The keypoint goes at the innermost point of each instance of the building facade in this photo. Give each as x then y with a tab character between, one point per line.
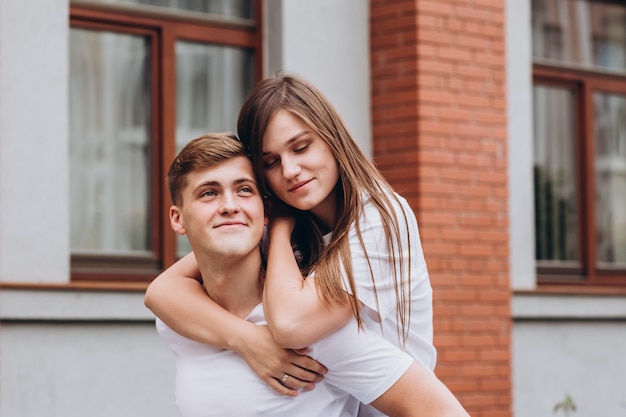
501	122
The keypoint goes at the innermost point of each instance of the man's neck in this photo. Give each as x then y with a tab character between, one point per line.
235	284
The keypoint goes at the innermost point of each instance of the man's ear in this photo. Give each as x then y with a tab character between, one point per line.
176	220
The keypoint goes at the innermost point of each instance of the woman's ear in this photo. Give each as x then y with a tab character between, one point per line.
176	220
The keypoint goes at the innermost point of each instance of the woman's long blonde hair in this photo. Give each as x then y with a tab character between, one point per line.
358	176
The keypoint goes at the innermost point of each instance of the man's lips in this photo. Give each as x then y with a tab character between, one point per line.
226	224
299	185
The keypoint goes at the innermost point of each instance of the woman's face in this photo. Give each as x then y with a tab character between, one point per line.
300	167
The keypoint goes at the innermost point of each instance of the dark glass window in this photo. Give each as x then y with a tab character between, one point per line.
141	86
579	99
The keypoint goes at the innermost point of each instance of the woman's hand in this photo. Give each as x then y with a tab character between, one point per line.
285	370
280	214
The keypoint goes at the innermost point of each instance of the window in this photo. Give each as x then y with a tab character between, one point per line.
579	101
145	78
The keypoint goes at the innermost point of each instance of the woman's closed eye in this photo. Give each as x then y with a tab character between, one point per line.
301	148
298	147
270	163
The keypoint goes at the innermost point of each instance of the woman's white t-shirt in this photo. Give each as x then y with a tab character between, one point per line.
380	304
379	313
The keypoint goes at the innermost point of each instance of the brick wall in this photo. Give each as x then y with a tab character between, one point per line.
439	135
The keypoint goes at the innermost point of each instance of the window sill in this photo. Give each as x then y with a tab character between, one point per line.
77	286
79	302
578	303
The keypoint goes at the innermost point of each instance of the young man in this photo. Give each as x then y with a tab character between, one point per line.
218	206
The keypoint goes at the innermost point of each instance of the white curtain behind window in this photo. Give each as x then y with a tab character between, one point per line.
610	167
211	84
228	8
109	146
580	32
556	197
110	136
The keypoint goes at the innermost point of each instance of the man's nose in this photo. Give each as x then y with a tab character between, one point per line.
229	203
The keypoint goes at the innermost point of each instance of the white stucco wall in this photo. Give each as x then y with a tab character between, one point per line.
568	344
34	160
85	369
520	144
75	353
584	360
327	42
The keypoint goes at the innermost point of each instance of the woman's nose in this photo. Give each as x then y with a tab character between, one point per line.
291	167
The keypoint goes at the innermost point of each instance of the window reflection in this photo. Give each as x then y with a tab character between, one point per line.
556	196
581	32
610	168
109	137
227	8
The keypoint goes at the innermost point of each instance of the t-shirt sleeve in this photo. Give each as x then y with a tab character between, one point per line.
378	263
360	362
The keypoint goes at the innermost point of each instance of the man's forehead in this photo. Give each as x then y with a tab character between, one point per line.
232	171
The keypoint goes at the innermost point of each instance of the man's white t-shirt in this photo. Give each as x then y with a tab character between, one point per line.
217	382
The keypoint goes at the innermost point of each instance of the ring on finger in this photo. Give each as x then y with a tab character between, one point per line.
283	379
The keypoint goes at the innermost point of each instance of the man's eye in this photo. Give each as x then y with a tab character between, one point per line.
208	194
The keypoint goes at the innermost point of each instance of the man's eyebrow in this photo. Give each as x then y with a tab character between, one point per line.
208	183
244	179
219	184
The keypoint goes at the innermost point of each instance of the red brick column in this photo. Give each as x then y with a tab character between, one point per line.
439	135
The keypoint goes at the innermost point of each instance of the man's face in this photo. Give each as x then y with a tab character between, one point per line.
222	210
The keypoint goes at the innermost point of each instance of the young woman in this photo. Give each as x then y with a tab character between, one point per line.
358	247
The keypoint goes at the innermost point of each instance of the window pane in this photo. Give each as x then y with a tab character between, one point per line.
212	83
610	168
588	33
556	196
227	8
109	142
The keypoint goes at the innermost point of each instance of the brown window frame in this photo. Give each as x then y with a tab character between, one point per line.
585	83
164	29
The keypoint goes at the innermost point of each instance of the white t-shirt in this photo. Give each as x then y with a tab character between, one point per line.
216	382
420	339
381	318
